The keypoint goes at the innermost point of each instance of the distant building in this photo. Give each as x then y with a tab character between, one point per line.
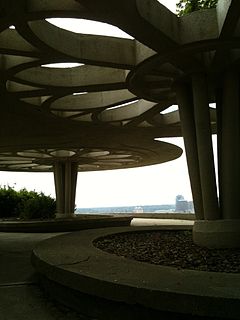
138	210
191	206
183	205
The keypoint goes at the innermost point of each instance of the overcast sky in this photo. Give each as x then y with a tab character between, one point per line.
170	4
158	184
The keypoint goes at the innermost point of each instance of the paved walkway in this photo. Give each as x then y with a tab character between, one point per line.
20	297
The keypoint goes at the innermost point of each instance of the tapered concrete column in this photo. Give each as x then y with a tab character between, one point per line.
230	155
65	177
185	103
204	145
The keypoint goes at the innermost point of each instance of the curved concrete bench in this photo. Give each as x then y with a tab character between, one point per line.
107	286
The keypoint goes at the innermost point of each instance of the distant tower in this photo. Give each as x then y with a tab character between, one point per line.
181	204
179	197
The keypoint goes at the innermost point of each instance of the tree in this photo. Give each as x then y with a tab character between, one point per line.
188	6
25	204
9	201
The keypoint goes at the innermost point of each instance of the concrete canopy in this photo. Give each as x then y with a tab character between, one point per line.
79	109
73	108
113	100
79	118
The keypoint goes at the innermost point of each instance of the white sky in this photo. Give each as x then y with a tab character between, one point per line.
158	184
170	4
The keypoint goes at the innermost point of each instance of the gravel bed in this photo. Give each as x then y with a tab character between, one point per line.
170	248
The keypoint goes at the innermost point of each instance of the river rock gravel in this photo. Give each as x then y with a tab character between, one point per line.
170	248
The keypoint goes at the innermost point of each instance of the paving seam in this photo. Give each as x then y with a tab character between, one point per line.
18	284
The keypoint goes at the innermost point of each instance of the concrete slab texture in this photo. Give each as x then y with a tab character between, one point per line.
20	296
93	281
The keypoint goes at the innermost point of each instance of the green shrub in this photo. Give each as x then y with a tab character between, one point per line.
26	204
9	201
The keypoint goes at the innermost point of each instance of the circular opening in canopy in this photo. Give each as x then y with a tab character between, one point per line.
170	109
62	65
88	27
62	153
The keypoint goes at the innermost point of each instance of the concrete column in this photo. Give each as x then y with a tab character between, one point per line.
65	177
204	145
230	155
185	103
224	232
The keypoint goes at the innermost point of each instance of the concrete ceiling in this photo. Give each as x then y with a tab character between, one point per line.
108	106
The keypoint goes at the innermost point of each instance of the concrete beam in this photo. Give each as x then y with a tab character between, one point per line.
228	14
102	50
198	31
126	112
160	18
13	44
53	5
92	100
129	16
74	77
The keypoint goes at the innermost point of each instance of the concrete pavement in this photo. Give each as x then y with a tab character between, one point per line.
20	297
106	286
